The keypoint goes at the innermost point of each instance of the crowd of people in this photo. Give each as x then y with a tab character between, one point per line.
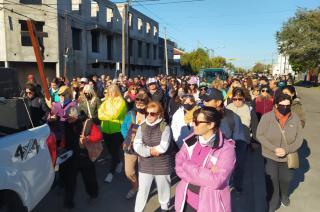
157	127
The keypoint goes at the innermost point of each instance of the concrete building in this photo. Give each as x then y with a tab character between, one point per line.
16	50
142	44
81	37
282	67
177	53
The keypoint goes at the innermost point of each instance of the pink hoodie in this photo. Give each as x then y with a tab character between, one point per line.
214	193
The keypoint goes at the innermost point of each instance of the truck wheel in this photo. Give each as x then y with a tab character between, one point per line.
13	203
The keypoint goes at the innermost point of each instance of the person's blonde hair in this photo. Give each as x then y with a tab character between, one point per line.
217	84
113	88
89	89
157	106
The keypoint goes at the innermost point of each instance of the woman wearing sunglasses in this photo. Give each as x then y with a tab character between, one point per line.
250	122
152	143
264	102
204	164
279	133
132	121
182	119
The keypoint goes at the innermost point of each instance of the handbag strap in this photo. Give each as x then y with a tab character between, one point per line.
84	127
282	133
90	116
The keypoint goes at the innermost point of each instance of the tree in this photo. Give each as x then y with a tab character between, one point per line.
299	38
218	62
195	60
258	68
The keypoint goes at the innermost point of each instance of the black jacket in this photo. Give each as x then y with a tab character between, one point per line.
38	110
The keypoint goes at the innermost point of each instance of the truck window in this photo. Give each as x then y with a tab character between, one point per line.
14	116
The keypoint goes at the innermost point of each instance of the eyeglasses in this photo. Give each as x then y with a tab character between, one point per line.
203	89
196	122
237	99
62	94
264	90
28	92
151	114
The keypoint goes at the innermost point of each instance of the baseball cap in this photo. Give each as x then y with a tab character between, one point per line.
192	81
213	94
151	80
83	79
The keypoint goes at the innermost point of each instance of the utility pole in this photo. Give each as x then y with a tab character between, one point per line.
66	49
166	50
124	17
128	37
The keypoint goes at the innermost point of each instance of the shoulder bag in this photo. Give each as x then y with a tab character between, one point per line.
293	158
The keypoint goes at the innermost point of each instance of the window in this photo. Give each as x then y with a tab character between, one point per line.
130	20
140	24
31	1
154	52
76	38
94	9
109	47
155	31
95	41
95	65
25	39
148	50
109	14
139	49
75	5
148	28
161	52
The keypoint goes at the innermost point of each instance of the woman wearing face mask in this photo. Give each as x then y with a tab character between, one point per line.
130	96
54	89
132	121
90	102
296	106
152	144
204	164
79	162
111	113
275	148
182	119
58	113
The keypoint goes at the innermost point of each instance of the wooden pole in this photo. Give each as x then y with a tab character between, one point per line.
36	48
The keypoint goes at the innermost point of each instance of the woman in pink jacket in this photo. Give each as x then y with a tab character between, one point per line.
204	164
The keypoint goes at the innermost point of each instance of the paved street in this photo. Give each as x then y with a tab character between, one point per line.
305	186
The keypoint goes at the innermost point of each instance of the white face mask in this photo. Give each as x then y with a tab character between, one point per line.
208	142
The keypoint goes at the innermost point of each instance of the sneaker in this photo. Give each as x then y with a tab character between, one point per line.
108	178
285	202
119	167
131	194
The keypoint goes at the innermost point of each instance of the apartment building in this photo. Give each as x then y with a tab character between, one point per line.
80	37
16	50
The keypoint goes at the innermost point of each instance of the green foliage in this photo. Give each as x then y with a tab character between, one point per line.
299	38
199	58
258	68
218	62
195	60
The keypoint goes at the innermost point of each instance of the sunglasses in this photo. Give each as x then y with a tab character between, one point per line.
237	99
28	92
264	90
140	100
62	94
196	122
151	114
203	89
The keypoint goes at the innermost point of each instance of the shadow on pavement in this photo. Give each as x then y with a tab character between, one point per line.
304	167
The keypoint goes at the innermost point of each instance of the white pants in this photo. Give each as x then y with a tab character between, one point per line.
163	186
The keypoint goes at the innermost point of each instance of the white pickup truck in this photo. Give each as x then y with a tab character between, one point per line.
26	169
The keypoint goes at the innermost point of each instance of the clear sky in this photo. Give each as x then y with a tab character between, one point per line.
241	29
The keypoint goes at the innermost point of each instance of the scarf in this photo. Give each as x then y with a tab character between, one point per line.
281	118
209	142
188	115
154	123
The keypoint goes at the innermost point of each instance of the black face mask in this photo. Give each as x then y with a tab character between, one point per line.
140	110
284	110
188	107
88	96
